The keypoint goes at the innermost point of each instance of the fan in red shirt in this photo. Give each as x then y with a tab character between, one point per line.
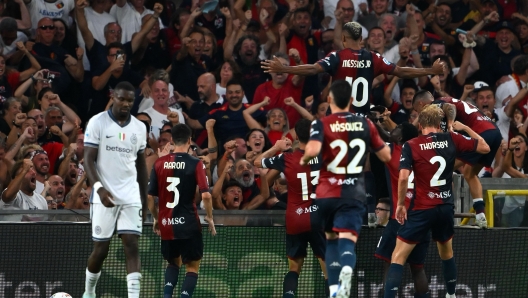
476	120
343	139
431	157
280	87
303	224
356	65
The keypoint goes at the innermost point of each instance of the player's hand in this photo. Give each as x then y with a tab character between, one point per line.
156	228
210	221
283	144
20	118
272	66
106	197
209	124
401	214
458	126
166	150
56	130
438	67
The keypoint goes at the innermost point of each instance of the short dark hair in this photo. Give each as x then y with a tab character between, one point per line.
384	201
114	45
421	95
378	28
181	134
125	86
408	131
144	114
302	129
231	183
408	83
8	24
233	82
341	92
353	29
302	10
521	65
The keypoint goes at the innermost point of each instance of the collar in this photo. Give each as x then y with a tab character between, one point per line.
220	100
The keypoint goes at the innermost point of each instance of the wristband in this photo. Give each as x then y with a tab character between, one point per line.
97	185
469	45
15	125
415	52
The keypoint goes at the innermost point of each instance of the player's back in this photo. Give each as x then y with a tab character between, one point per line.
358	68
468	115
177	177
432	157
346	139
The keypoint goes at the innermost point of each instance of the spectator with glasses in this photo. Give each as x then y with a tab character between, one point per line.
382	212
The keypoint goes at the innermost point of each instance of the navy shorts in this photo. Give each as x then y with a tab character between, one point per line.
494	138
189	249
341	215
439	220
387	243
296	244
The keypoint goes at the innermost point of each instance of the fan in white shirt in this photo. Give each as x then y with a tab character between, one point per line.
517	80
39	9
129	15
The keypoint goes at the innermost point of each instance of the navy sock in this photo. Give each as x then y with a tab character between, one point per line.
171	279
394	277
189	284
347	253
426	295
333	265
478	206
327	289
289	287
450	275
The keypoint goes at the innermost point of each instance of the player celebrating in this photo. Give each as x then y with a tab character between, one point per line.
173	180
473	118
356	65
115	164
302	220
431	158
343	139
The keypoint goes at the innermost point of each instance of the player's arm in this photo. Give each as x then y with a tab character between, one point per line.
152	193
207	199
450	113
411	72
9	194
142	179
482	146
314	145
271	176
403	182
275	66
377	144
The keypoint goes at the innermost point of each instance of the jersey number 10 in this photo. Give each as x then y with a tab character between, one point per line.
364	96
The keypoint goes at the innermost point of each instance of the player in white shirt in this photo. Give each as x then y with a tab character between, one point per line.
114	163
20	193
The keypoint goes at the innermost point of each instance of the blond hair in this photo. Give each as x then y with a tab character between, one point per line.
431	116
22	152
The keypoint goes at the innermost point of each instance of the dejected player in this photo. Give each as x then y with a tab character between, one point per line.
356	65
173	180
431	157
343	139
476	120
303	224
401	134
115	164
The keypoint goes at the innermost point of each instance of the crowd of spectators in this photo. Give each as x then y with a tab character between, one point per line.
198	62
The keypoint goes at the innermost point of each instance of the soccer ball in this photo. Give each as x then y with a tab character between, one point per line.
61	295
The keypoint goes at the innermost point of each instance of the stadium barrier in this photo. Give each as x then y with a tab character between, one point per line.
39	259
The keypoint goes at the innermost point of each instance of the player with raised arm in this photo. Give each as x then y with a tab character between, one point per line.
431	158
356	65
476	120
115	164
398	136
173	180
303	224
343	139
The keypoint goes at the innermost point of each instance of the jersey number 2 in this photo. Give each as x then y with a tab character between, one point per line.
352	167
435	180
304	183
173	186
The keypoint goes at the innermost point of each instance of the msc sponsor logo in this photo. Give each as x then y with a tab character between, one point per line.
173	221
439	195
434	145
348	181
310	209
118	149
356	63
347	126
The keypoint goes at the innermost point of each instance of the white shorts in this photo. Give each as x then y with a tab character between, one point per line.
126	218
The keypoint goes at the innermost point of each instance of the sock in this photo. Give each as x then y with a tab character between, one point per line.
171	279
333	267
450	275
289	287
133	284
91	281
478	205
394	277
189	284
327	289
346	251
426	295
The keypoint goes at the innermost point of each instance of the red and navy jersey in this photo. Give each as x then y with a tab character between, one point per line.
302	181
393	166
173	180
359	68
346	139
432	158
466	114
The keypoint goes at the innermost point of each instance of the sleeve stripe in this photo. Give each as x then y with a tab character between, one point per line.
94	145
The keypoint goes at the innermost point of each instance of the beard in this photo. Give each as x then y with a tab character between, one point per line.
246	183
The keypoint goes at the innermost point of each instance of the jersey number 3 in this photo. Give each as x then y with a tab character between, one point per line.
173	186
